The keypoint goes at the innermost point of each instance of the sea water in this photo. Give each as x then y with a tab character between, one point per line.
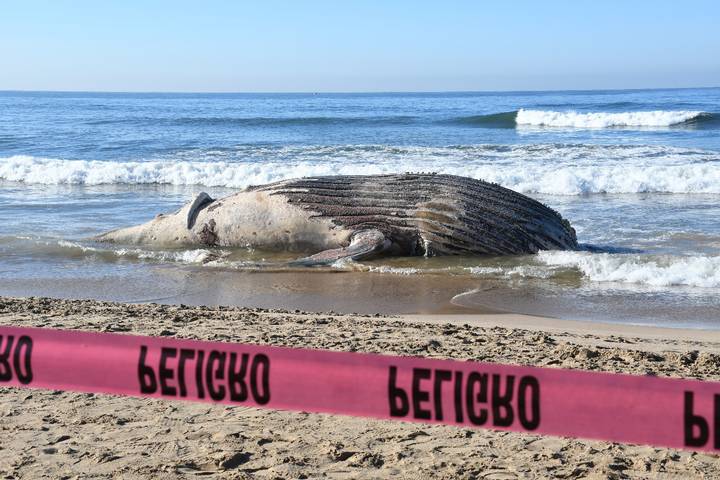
637	173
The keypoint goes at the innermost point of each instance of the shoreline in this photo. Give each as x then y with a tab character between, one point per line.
66	433
367	293
575	328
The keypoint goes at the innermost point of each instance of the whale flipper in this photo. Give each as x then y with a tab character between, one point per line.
364	244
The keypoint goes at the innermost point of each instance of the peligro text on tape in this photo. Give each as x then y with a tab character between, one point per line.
616	407
496	391
234	376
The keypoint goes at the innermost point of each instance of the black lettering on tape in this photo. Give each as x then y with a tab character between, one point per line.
397	394
22	360
440	376
236	378
716	426
480	379
199	374
164	373
458	397
529	387
216	375
185	355
6	373
20	367
260	362
215	372
693	422
502	410
418	395
146	375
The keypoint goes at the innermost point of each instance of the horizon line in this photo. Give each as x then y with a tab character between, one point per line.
347	92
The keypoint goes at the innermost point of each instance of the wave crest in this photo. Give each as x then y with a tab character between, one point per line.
572	119
493	120
657	118
543	169
654	270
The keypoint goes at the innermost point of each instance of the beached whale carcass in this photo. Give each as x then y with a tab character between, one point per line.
362	216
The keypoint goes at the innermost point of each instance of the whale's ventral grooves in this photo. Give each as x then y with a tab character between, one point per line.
432	214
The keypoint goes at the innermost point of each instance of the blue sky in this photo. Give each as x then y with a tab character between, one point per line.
357	45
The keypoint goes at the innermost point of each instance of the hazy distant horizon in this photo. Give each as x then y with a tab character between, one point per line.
359	92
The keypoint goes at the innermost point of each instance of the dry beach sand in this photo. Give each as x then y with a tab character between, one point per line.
46	434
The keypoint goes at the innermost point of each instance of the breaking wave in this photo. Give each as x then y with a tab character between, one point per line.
556	169
657	118
701	271
653	270
572	119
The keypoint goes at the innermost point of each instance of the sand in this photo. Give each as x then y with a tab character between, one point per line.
46	434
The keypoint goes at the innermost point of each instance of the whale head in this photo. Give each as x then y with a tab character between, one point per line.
165	229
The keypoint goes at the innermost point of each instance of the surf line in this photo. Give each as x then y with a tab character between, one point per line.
666	412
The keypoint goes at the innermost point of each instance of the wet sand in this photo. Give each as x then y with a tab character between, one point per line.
57	434
313	291
320	290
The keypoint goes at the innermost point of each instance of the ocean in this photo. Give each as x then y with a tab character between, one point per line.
636	172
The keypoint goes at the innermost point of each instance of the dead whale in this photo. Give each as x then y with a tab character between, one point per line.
362	216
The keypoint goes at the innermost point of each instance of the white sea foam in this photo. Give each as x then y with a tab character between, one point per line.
348	264
397	270
657	118
522	271
193	256
486	271
654	270
546	169
73	246
641	269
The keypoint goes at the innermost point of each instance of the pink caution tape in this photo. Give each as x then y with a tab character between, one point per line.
625	408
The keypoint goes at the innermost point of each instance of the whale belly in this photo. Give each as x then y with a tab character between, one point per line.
261	220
